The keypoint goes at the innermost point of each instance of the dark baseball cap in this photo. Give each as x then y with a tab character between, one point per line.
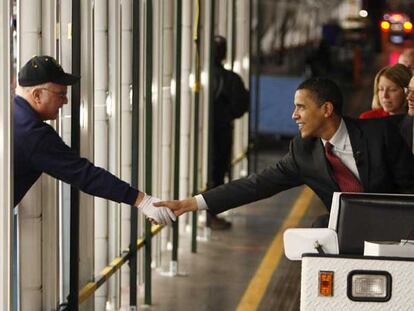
43	69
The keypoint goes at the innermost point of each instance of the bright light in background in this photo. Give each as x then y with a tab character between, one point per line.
385	26
246	63
203	78
83	115
173	87
154	91
393	57
108	102
130	96
363	13
407	26
227	65
191	80
236	66
396	18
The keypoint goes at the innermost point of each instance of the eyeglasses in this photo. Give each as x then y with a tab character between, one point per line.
408	90
58	94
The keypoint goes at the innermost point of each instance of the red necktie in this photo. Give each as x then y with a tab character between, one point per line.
345	179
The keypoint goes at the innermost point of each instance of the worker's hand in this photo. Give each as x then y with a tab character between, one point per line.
158	215
180	207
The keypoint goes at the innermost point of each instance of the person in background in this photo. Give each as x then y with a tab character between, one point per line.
38	148
389	97
407	59
230	101
332	153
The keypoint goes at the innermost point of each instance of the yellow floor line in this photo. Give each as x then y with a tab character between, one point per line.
257	287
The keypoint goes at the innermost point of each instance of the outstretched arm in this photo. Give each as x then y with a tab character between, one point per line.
179	207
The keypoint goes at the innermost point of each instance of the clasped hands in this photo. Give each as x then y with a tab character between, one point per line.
165	212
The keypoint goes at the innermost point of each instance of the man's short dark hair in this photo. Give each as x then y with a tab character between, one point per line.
324	90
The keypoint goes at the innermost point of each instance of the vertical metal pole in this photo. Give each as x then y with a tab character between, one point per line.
6	164
101	142
233	33
250	138
29	214
257	89
135	135
196	122
210	136
178	37
148	147
75	144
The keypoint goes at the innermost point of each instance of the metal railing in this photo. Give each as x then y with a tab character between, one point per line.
114	266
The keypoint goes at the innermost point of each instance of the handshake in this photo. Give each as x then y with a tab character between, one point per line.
165	212
159	215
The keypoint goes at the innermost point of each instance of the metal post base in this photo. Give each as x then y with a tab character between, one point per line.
173	270
206	235
145	306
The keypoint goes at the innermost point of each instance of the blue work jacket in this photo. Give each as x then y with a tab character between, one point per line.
38	148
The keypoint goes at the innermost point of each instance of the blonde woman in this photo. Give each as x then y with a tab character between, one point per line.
389	97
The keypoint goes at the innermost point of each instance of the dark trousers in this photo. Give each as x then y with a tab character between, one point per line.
221	158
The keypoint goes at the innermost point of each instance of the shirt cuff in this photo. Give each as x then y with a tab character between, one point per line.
201	203
130	196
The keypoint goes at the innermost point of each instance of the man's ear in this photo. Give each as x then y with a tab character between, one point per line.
35	94
329	108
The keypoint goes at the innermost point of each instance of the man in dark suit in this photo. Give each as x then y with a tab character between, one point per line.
407	123
370	152
406	128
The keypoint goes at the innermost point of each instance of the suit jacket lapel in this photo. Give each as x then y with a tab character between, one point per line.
360	150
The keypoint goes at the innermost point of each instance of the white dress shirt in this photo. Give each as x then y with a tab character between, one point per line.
341	148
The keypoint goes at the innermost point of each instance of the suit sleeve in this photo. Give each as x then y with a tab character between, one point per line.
272	180
55	158
400	158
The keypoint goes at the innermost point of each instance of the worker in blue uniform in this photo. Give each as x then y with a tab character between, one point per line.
38	148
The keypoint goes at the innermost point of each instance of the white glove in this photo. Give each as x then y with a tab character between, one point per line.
161	215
